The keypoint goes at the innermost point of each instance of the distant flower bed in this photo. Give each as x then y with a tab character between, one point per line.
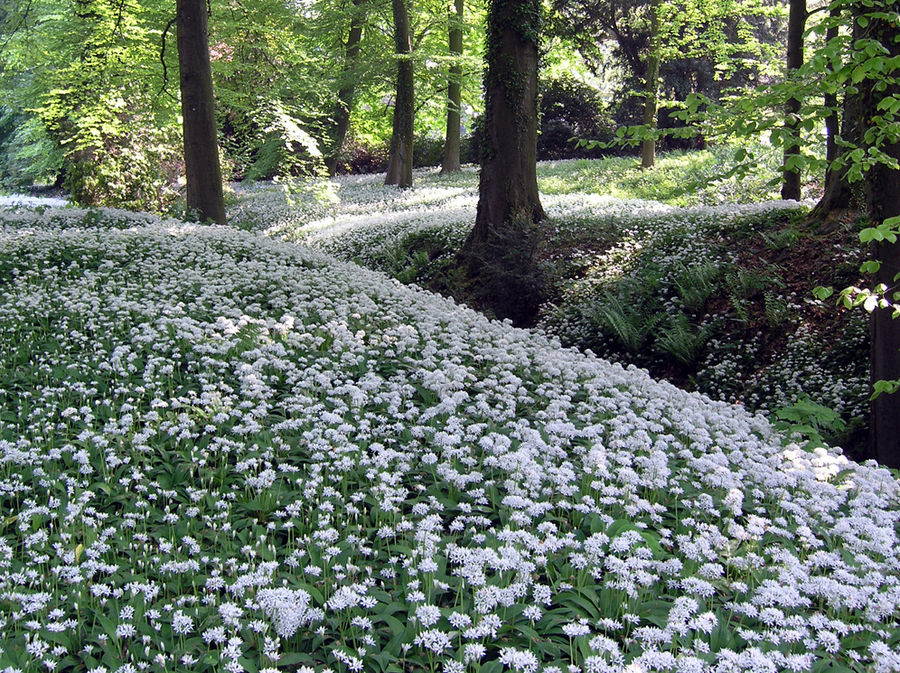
7	201
220	451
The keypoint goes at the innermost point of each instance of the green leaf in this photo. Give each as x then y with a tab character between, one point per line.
889	387
294	658
581	605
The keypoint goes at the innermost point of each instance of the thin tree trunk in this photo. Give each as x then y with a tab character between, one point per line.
451	161
883	200
201	152
348	86
790	187
400	163
839	195
651	103
499	253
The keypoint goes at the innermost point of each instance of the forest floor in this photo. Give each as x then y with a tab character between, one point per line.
706	282
224	451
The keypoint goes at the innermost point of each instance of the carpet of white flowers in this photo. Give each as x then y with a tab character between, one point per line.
223	452
356	218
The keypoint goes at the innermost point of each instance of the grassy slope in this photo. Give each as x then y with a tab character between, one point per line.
221	451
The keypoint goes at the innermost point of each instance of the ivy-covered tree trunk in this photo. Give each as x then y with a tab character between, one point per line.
451	161
499	254
345	95
400	164
883	199
790	187
651	101
832	121
201	151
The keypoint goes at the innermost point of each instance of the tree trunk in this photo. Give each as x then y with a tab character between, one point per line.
348	87
648	145
499	253
832	121
884	426
883	200
790	187
451	162
839	194
400	163
201	151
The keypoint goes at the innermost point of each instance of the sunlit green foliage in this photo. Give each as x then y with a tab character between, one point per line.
84	74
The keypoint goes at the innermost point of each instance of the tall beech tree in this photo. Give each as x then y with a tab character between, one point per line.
344	103
790	187
865	172
201	151
845	120
499	253
450	160
879	92
400	164
832	119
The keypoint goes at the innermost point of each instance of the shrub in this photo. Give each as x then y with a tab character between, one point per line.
428	150
125	171
359	158
570	109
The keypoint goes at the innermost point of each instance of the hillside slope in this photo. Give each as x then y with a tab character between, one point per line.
224	451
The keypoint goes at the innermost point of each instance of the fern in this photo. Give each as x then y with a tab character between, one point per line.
696	284
681	341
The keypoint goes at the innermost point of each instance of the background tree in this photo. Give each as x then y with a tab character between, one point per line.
400	164
451	161
344	102
651	88
201	151
843	111
499	254
790	188
706	47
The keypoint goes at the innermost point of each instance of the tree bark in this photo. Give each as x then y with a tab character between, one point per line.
790	187
883	201
400	164
499	254
201	151
451	161
832	121
839	194
348	86
651	104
